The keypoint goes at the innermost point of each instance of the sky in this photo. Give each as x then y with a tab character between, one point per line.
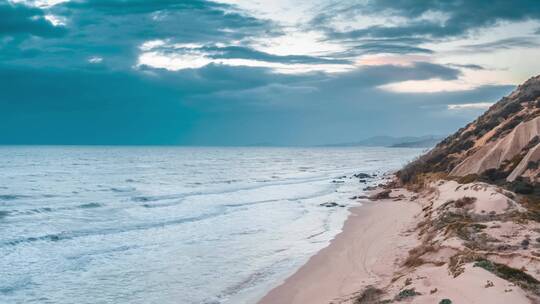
250	72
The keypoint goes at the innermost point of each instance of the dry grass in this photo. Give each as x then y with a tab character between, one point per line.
415	255
464	201
370	295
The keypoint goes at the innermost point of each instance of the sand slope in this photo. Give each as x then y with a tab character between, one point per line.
493	154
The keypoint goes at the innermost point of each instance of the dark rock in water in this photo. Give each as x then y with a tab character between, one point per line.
90	205
362	181
358	197
342	206
362	175
337	181
329	204
369	188
381	195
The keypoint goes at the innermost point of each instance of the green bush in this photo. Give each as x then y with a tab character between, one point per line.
513	275
406	293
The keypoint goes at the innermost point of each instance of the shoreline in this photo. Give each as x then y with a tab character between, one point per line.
444	243
366	252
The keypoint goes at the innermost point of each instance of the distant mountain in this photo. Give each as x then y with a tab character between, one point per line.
397	142
427	142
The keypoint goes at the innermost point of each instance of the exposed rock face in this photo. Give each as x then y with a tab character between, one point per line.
495	153
503	139
528	167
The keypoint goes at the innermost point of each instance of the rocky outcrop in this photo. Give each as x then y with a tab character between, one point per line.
528	167
495	153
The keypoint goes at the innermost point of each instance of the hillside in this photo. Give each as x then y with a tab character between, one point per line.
502	146
477	237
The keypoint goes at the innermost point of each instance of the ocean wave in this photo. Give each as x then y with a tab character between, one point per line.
11	197
68	235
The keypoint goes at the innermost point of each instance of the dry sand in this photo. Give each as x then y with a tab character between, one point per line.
374	237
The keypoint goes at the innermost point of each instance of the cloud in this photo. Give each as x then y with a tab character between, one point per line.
19	19
115	29
427	20
382	47
467	106
190	56
201	72
211	105
507	43
475	67
95	59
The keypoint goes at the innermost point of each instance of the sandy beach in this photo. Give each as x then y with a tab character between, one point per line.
405	248
367	252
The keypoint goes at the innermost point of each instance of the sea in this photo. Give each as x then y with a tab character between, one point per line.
172	224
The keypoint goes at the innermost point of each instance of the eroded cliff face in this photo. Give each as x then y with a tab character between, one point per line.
501	145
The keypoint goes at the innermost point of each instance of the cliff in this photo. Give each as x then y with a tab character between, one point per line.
502	146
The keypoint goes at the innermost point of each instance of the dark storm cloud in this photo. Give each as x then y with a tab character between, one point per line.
475	67
190	106
51	94
508	43
458	18
249	53
19	19
115	29
63	106
382	47
347	106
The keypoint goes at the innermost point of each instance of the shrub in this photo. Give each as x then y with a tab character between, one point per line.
467	179
445	301
369	295
406	293
493	175
464	201
513	275
522	187
532	165
414	259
